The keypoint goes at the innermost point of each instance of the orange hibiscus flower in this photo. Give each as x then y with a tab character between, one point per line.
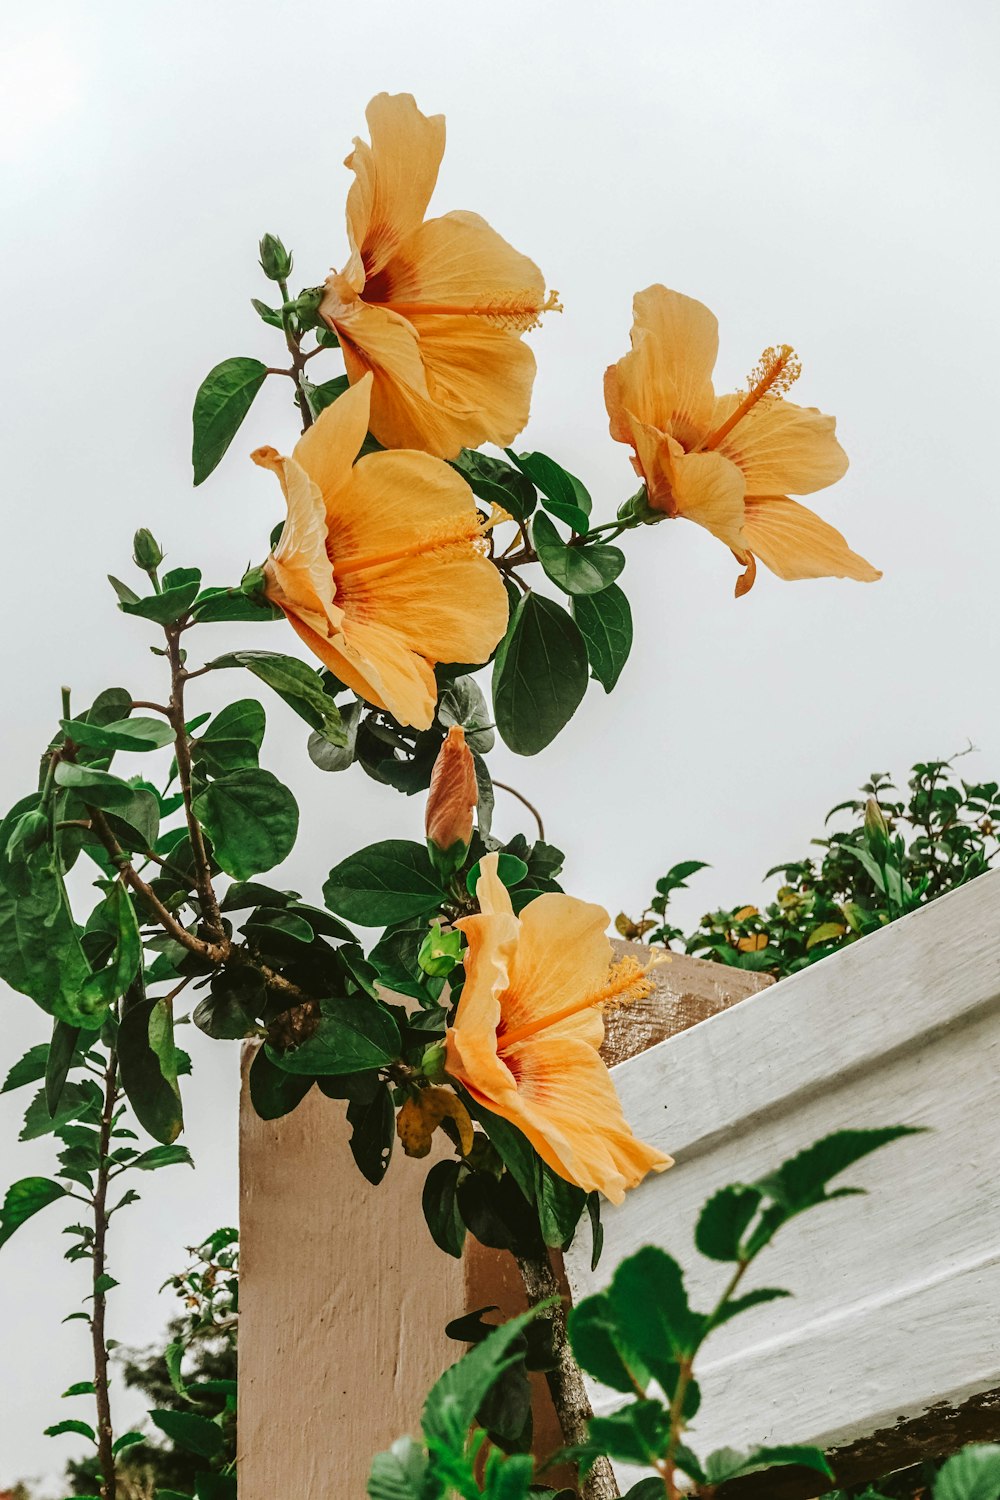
727	461
434	308
380	567
528	1028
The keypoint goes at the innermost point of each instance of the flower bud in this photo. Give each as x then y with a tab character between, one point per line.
451	802
306	307
876	829
252	583
432	1062
30	832
275	260
440	951
637	511
147	553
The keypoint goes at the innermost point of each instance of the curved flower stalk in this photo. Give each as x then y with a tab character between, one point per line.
727	462
380	568
528	1027
434	308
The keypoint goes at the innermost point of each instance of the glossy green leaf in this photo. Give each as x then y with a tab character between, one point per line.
440	1206
252	820
636	1434
148	1061
215	606
223	400
972	1474
190	1431
562	493
510	871
180	589
72	1424
138	733
352	1036
385	883
575	569
540	675
322	396
300	687
162	1156
605	622
726	1463
232	740
25	1198
497	483
273	1091
724	1220
109	983
40	952
63	1050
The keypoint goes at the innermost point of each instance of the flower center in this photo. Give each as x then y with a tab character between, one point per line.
460	533
628	982
517	311
775	371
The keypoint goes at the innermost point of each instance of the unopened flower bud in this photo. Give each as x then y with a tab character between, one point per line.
432	1062
306	306
147	553
451	802
637	511
440	951
275	260
876	828
30	832
252	583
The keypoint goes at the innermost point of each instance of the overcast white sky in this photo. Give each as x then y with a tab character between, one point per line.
822	174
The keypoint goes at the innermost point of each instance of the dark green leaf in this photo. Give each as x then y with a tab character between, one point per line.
219	605
232	740
228	1012
63	1049
454	1399
652	1314
148	1060
322	396
117	917
577	570
383	884
726	1463
330	757
78	1101
495	482
80	1388
646	1489
592	1333
180	589
605	622
540	675
127	1440
638	1433
510	870
215	1487
25	1198
28	1069
560	1205
72	1424
300	687
973	1474
440	1206
40	952
190	1431
353	1036
737	1305
223	400
126	734
563	494
163	1156
373	1123
724	1220
252	820
273	1091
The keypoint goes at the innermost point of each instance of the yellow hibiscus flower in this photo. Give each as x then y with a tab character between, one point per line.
434	308
727	462
380	568
528	1028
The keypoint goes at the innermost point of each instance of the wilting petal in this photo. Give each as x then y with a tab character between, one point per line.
298	574
395	177
459	264
794	543
782	447
666	381
329	447
562	955
565	1103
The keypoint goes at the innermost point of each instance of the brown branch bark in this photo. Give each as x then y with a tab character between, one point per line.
105	1432
565	1381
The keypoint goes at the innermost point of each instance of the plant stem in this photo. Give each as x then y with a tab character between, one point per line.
293	340
565	1381
529	805
105	1432
182	750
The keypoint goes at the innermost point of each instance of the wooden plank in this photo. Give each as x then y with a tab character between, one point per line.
895	1294
343	1294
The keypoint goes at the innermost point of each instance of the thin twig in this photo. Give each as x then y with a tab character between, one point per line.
182	752
529	805
105	1432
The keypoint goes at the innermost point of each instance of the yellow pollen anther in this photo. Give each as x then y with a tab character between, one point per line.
627	984
776	371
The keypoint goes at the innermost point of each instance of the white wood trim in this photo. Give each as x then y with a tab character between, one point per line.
895	1294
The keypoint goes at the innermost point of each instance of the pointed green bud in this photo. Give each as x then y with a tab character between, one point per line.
440	951
432	1062
147	553
876	829
275	260
637	511
306	307
252	583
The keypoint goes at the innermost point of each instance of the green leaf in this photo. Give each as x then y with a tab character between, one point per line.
190	1431
373	1123
82	1429
353	1036
646	1489
252	820
510	871
223	400
78	1102
163	1156
605	622
215	606
133	805
274	1092
973	1474
563	494
652	1313
116	916
232	740
80	1388
724	1220
737	1305
726	1463
180	589
124	734
63	1050
215	1487
40	952
236	996
148	1060
28	1069
577	570
560	1205
540	675
127	1440
592	1333
801	1182
322	396
25	1198
638	1433
440	1206
300	687
495	482
400	1473
383	884
454	1399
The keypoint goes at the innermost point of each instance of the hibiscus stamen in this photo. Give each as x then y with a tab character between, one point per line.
628	982
460	534
517	311
775	371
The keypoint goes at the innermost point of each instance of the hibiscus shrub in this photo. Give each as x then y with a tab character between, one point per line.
899	852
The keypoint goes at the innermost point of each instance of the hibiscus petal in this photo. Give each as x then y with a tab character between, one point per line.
298	572
794	542
782	447
709	489
459	263
377	665
666	380
395	177
563	954
479	378
328	448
